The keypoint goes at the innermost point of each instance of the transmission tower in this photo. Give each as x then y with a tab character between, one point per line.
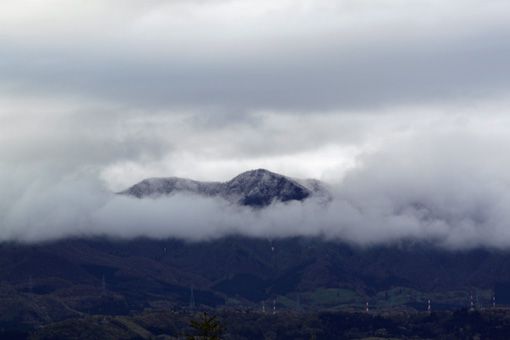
192	299
103	286
30	284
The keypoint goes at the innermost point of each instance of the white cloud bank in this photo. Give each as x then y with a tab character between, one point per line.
448	185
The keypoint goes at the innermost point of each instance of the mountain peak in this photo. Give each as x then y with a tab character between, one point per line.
260	187
257	175
255	188
259	171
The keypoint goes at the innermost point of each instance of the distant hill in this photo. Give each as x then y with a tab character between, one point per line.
69	278
255	188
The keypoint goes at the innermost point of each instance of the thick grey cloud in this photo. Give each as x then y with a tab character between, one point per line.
400	105
243	56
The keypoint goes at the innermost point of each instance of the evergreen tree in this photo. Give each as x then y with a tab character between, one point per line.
207	328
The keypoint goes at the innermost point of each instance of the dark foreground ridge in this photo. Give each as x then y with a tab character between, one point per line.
74	283
255	188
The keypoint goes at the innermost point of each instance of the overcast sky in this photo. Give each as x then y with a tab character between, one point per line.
382	98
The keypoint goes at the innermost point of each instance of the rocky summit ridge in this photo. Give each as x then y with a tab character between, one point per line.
255	188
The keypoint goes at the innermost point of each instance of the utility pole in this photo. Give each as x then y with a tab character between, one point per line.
103	286
30	284
192	299
273	255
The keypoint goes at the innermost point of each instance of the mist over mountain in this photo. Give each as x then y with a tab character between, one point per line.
453	193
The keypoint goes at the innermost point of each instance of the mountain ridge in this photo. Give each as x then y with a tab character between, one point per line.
254	188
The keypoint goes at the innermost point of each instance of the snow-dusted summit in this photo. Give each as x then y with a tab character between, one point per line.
256	188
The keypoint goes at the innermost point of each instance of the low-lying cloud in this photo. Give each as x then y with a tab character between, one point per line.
447	188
